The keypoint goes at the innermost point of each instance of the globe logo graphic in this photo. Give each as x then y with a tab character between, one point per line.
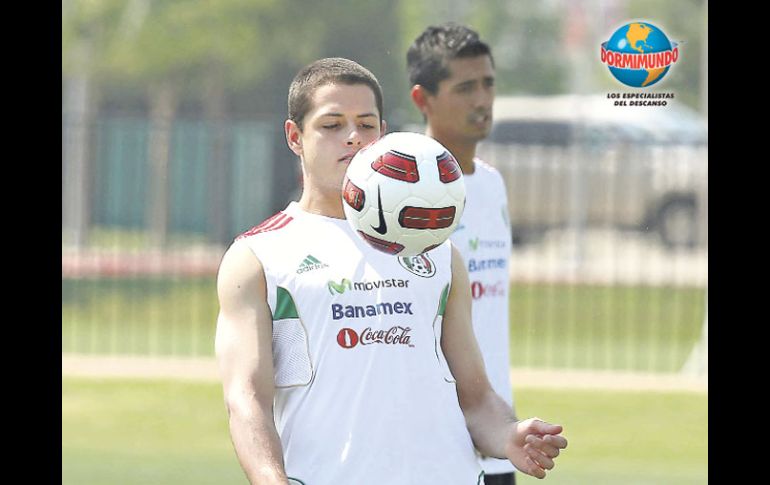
639	54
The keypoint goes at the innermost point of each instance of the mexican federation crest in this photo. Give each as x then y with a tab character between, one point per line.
420	265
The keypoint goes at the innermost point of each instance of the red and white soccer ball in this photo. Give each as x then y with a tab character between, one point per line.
404	194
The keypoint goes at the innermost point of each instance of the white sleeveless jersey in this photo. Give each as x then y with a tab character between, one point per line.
483	237
363	392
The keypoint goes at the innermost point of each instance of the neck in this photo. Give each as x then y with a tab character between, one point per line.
315	202
464	152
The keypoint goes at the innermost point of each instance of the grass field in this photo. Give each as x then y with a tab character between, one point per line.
559	326
132	432
142	316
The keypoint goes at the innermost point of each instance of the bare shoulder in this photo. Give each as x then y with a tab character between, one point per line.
240	274
244	320
244	332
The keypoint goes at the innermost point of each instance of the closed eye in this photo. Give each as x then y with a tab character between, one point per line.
465	88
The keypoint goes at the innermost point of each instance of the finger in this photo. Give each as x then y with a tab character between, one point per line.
541	427
543	446
534	469
556	440
539	458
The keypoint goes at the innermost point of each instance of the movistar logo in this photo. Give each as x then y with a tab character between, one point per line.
339	288
309	264
486	244
345	285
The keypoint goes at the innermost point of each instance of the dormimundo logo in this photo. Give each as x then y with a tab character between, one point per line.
639	54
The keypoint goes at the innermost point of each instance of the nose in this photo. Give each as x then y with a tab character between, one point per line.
484	99
354	138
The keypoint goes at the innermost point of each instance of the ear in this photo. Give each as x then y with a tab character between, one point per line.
419	97
293	137
383	128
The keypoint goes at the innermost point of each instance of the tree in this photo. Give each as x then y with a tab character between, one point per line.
526	39
180	48
84	29
233	58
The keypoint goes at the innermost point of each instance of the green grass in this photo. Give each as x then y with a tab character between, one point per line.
558	326
131	432
147	316
624	437
145	432
634	328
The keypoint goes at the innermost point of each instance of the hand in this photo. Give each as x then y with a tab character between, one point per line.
533	446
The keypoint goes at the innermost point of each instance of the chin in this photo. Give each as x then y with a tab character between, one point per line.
477	136
478	133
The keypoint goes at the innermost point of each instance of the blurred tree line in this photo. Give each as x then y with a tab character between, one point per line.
215	58
221	60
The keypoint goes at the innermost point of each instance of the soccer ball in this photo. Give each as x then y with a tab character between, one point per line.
404	194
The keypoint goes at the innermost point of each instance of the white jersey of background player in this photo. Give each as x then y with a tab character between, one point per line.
484	240
452	76
335	108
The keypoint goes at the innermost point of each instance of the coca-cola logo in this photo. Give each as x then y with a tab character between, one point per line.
348	338
487	290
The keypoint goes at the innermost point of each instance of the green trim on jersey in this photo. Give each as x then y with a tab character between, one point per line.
293	481
443	300
481	477
284	305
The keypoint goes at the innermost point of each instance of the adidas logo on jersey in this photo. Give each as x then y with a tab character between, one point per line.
309	264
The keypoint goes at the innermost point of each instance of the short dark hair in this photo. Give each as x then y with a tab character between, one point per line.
428	57
331	70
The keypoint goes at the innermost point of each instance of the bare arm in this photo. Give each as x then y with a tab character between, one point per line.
530	445
244	354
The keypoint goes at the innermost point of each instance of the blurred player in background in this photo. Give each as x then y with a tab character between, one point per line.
452	74
308	401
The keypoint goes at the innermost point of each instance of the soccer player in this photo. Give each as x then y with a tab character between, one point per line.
328	381
452	75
